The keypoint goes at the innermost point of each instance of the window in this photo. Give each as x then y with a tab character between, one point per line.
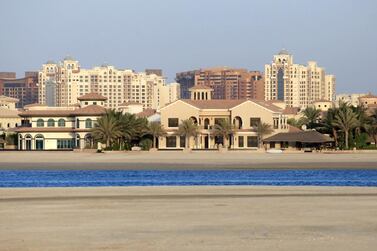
173	122
86	103
182	141
240	141
61	123
254	122
77	123
50	123
171	141
276	123
88	123
40	123
65	144
252	141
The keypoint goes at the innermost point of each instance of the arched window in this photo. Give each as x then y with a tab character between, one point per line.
206	123
40	123
194	120
237	122
61	123
88	123
50	123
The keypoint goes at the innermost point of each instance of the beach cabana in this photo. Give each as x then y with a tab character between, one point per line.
298	140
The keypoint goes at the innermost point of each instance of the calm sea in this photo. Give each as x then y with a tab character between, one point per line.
92	178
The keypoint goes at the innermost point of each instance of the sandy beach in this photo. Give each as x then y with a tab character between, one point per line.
181	160
188	218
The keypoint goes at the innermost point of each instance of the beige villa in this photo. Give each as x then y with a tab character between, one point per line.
245	115
60	128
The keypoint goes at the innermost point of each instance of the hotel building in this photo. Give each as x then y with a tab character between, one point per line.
244	114
25	89
60	84
297	85
227	83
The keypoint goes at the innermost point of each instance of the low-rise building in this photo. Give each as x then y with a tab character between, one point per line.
8	113
369	101
60	128
323	105
245	115
352	99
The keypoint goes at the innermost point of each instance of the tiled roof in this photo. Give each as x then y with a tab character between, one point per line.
200	87
293	129
126	103
214	103
299	136
291	110
92	96
146	113
91	110
228	104
49	129
34	105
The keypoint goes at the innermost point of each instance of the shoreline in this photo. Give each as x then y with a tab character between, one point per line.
183	161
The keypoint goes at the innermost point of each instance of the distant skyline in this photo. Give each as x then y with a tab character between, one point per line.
181	35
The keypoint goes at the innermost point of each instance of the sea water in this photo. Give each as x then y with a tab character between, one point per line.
92	178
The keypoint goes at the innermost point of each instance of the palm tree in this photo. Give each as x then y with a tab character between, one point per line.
107	129
223	129
372	132
327	126
156	130
188	129
262	130
346	120
311	116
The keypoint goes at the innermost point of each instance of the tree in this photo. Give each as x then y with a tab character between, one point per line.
262	130
156	130
223	129
327	125
311	116
188	129
345	119
372	132
107	129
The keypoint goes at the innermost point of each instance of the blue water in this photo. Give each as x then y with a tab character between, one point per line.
92	178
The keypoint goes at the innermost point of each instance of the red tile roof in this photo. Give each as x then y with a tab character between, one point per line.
146	113
91	110
92	96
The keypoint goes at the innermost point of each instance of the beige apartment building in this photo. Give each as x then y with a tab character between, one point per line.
60	84
297	85
244	114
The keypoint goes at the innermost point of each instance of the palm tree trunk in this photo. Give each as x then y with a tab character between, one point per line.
346	138
335	136
187	142
154	141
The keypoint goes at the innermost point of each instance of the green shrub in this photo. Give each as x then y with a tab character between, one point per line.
146	144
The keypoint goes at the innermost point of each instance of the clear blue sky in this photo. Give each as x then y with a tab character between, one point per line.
179	35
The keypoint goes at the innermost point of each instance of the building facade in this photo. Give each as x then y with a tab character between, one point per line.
352	99
60	84
60	128
8	113
25	89
227	83
245	115
297	85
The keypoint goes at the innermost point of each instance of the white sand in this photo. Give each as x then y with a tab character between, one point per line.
188	218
